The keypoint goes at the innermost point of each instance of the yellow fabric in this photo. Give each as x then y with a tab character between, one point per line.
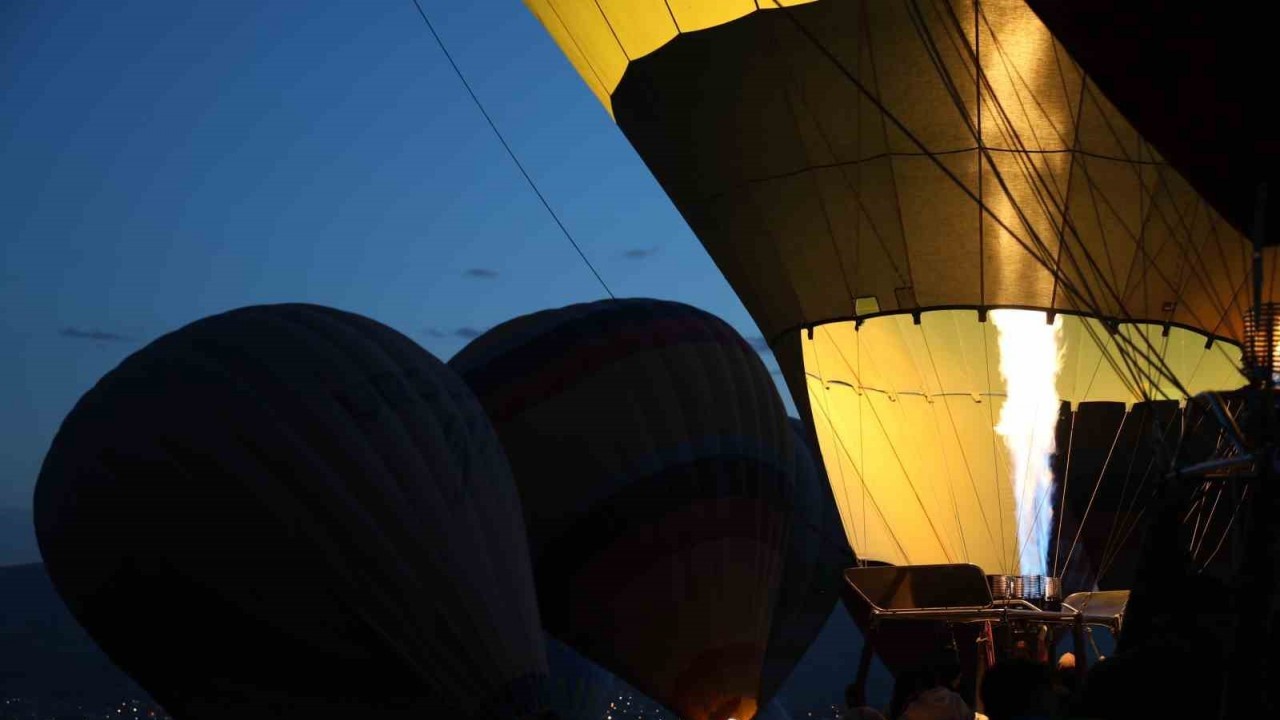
601	36
927	186
905	414
845	157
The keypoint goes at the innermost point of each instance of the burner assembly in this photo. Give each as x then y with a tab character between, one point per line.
1020	615
1044	592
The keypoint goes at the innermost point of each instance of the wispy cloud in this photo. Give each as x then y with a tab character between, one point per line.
93	334
481	273
639	253
759	344
466	332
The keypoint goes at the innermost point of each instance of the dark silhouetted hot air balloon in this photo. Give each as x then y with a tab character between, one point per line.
813	565
773	711
656	469
577	689
46	658
293	511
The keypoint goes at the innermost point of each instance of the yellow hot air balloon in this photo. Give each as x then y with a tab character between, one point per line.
944	230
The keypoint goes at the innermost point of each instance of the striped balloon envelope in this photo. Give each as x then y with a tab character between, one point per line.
817	554
657	470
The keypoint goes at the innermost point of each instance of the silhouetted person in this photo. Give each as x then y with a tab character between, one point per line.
1018	689
1161	680
856	708
907	685
1066	681
938	703
928	694
1106	689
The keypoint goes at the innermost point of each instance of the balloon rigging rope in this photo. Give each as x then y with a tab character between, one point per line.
995	444
844	176
1196	547
1130	352
511	153
955	428
1034	244
860	470
1152	208
1227	531
870	498
862	464
1204	532
1075	157
1128	477
1066	478
1126	347
1038	183
1101	473
1112	552
897	456
825	408
1115	552
862	440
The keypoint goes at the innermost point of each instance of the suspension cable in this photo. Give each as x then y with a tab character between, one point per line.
511	153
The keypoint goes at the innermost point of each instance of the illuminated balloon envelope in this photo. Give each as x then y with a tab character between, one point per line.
656	468
886	186
293	511
921	470
1150	56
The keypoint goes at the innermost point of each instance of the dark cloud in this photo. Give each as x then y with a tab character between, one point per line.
639	253
482	273
467	332
93	334
434	332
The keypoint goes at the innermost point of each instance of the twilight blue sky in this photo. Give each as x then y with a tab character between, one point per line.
163	161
